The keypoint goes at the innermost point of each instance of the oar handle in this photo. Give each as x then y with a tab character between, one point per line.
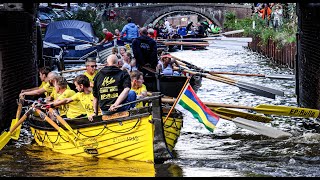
50	121
209	104
208	77
63	122
74	70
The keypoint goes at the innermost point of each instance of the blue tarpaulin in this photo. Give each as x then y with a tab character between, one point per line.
78	29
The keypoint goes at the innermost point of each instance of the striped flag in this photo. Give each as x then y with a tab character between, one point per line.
191	102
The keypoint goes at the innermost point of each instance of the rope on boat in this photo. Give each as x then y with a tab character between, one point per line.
78	132
126	130
42	139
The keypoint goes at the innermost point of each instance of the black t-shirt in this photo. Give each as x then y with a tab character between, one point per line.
108	84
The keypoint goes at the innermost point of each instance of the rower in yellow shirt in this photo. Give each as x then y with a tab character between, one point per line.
70	110
84	97
46	88
43	74
91	69
138	86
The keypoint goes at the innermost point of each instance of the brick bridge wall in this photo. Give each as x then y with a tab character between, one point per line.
143	15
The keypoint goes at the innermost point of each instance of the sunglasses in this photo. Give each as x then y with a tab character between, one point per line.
93	66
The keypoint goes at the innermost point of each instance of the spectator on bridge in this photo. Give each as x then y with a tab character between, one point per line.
277	16
266	13
108	36
145	50
131	31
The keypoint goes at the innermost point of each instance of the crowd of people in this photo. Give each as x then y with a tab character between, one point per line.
102	91
160	31
271	13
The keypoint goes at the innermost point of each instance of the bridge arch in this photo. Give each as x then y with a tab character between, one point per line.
174	9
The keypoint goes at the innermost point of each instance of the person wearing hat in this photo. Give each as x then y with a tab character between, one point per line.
165	65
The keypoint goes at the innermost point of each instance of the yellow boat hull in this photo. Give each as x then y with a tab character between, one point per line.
129	139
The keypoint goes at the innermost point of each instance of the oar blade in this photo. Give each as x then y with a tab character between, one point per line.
287	111
260	128
15	135
262	88
280	76
68	38
4	139
256	91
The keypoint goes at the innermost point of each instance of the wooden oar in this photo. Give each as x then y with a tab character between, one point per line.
187	43
63	122
253	88
192	66
273	109
262	91
257	127
274	76
227	33
266	109
15	135
74	70
229	112
58	128
6	136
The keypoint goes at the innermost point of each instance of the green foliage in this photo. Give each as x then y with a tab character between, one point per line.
284	35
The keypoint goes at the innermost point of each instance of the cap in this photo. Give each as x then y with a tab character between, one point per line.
166	55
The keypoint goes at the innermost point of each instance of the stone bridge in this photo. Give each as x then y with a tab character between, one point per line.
215	12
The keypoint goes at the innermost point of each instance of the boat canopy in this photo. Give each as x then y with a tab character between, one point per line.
78	29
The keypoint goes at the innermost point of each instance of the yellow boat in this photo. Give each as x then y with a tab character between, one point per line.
138	134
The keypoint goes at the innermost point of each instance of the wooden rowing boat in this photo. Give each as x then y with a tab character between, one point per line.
137	134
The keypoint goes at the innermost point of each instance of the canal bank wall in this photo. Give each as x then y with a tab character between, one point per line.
284	55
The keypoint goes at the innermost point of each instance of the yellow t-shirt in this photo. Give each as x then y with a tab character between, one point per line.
46	86
89	76
86	101
138	92
54	92
72	109
41	86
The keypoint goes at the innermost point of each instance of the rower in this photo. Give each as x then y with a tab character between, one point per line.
43	74
84	96
71	110
91	69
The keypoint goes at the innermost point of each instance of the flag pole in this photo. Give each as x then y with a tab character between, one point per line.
175	102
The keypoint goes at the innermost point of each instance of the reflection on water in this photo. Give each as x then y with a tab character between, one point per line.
33	160
228	151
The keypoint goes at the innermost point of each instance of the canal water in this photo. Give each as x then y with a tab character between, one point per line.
228	151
